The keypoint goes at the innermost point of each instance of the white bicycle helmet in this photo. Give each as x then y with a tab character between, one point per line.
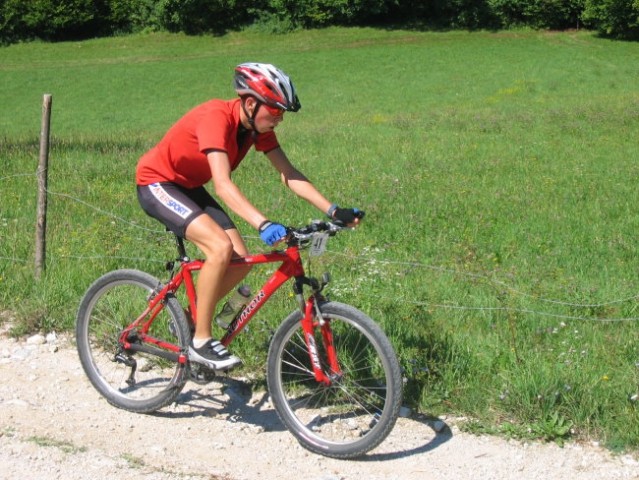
268	84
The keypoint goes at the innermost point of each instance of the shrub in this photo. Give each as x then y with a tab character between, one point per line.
199	16
320	13
614	18
133	15
78	19
554	14
12	21
46	19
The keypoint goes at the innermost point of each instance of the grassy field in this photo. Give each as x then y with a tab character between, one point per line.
498	172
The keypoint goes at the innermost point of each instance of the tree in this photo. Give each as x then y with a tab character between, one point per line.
614	18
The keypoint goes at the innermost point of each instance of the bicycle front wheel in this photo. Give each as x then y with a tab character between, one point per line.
131	380
359	408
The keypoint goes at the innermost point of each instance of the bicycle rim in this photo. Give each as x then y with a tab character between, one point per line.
358	410
134	381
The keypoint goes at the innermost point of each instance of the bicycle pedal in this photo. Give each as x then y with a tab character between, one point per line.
202	375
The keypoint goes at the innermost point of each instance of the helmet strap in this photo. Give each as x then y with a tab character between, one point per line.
251	118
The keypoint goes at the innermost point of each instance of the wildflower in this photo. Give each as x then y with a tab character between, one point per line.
605	378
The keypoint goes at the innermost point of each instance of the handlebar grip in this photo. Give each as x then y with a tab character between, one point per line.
358	214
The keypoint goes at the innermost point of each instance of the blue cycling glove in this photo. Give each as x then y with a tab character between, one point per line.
271	233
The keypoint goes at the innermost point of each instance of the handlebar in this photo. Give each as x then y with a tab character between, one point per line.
304	235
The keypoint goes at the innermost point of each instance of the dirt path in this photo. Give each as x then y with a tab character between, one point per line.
53	424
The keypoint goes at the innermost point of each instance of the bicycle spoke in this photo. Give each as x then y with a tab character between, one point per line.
353	412
133	380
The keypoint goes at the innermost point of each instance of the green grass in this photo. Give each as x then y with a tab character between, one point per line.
498	173
63	445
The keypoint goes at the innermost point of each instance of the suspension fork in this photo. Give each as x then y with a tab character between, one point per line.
313	319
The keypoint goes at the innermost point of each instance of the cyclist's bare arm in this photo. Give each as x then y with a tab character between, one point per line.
296	181
228	192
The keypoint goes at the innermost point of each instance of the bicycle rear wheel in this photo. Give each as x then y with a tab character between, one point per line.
359	409
131	380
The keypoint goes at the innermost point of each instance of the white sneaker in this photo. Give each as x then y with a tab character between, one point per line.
214	355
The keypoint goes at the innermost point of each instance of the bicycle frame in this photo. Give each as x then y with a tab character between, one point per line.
291	267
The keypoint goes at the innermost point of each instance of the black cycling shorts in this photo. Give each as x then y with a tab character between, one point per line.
176	206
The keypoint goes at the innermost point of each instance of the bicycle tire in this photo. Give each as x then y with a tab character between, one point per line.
357	412
109	305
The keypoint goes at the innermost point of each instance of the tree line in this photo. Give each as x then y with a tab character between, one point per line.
54	20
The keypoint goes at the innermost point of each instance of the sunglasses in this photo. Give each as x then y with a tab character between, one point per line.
274	111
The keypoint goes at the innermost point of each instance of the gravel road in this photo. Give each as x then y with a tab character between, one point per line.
53	424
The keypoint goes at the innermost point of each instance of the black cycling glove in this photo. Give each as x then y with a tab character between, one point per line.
345	215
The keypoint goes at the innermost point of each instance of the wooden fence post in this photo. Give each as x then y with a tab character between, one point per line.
43	166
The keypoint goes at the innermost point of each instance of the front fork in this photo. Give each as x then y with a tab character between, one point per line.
324	362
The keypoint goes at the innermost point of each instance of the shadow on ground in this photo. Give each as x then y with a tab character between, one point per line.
236	400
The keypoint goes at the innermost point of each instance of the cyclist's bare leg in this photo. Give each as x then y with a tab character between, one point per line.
234	275
211	287
217	248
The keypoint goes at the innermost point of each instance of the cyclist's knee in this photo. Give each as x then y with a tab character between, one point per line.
218	252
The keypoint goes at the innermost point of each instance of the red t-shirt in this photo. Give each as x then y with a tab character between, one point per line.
180	157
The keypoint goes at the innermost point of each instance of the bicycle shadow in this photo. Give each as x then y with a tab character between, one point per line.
442	434
227	398
235	401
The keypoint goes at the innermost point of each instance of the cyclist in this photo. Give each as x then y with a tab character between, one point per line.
208	143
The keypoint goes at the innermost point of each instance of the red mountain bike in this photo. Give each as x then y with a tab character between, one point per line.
332	374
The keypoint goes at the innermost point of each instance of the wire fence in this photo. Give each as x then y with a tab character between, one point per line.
365	258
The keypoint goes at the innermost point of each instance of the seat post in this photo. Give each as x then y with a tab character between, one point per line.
179	243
